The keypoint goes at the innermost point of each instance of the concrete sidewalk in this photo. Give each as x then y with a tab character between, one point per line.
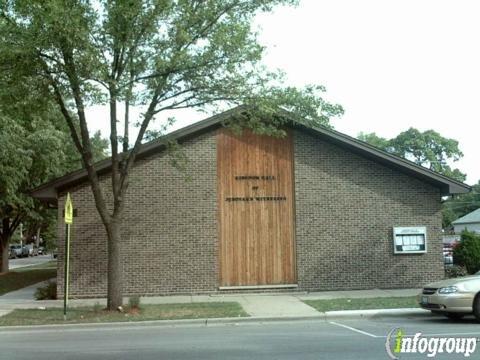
261	305
357	294
20	299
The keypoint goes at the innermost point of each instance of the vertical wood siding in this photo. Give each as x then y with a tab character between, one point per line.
255	209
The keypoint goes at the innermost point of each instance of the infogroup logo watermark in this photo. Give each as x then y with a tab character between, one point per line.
399	343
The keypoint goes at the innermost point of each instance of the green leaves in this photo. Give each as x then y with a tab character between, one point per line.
467	252
433	151
461	205
36	147
163	53
32	151
377	141
15	161
160	54
427	148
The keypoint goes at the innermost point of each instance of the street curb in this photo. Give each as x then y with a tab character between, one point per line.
356	314
166	323
327	316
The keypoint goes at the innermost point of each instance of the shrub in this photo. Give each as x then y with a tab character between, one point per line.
47	292
455	271
134	302
467	252
97	308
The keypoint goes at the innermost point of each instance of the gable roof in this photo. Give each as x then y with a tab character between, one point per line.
48	191
473	217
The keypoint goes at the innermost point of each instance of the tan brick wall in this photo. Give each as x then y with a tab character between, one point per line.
346	207
169	232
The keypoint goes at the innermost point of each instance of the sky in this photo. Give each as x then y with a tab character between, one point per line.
391	64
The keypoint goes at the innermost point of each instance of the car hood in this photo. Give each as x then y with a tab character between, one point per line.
454	281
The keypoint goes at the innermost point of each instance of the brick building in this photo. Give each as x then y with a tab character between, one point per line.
315	210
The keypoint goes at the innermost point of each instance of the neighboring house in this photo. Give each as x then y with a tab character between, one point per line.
470	222
450	240
315	210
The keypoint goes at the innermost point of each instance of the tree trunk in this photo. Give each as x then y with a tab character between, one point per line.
37	239
115	271
3	255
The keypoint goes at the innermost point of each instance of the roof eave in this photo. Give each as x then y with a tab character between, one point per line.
48	191
47	195
465	222
457	189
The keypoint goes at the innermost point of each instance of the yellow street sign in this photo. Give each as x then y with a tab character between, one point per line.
66	274
68	210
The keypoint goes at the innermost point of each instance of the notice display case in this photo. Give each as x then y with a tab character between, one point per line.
410	240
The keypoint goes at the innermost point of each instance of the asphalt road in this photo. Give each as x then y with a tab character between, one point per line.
28	261
342	339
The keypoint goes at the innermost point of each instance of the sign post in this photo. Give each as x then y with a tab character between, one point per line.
66	277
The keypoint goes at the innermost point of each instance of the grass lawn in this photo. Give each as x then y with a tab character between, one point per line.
147	312
52	264
364	303
23	277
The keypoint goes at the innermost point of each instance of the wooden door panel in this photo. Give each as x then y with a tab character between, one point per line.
255	205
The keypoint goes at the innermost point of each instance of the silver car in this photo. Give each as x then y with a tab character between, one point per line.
16	251
453	298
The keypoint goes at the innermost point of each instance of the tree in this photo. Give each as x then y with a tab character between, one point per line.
431	150
28	158
36	147
428	149
31	152
467	252
377	141
42	217
157	54
461	205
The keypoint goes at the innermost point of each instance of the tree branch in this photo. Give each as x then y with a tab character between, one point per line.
14	224
114	144
168	72
128	97
87	156
63	108
138	142
215	19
